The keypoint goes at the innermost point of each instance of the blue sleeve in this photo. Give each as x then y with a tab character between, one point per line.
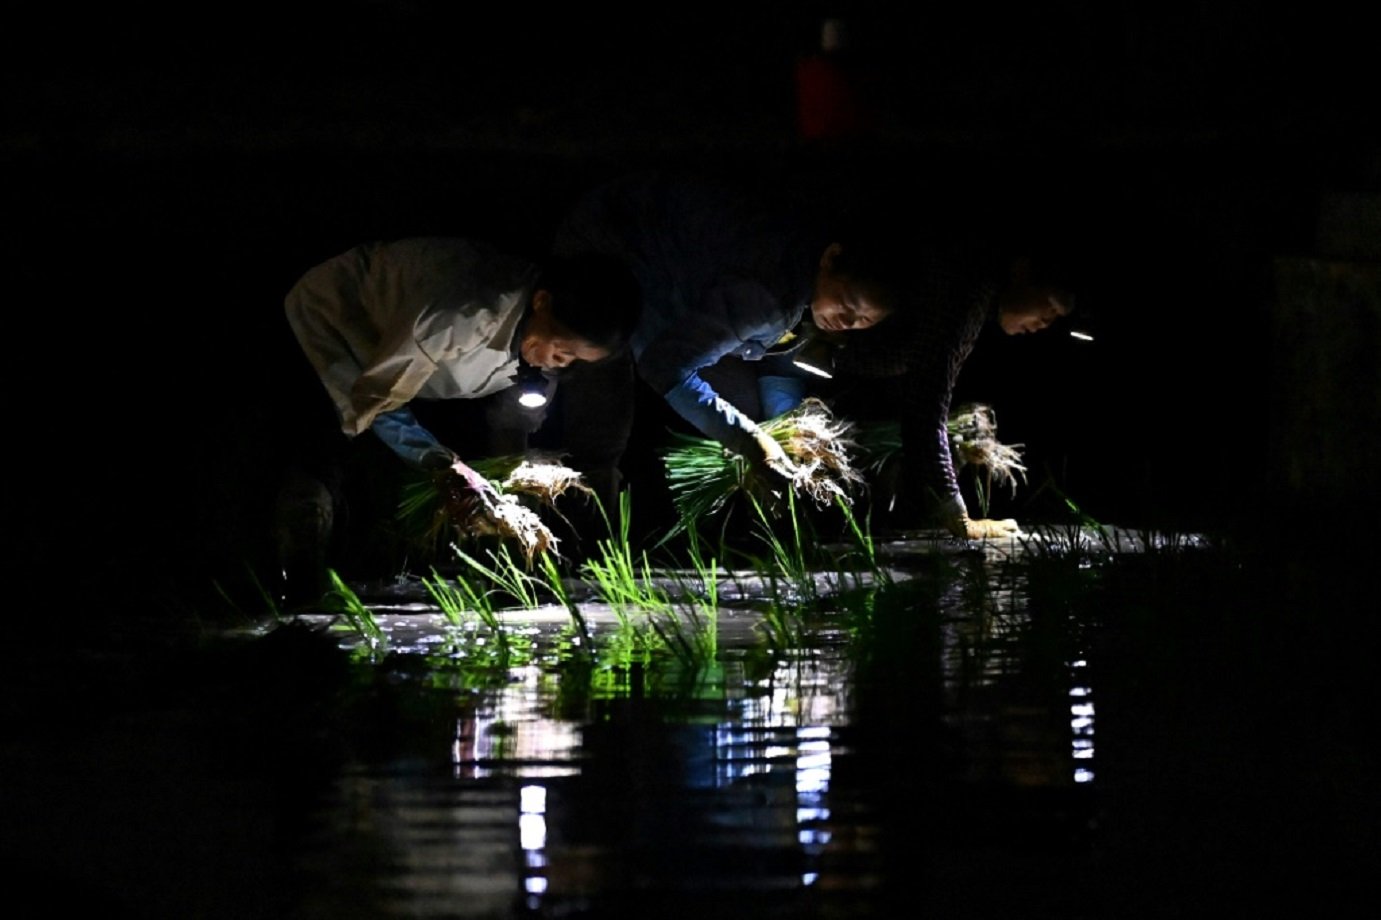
734	317
406	437
780	394
698	403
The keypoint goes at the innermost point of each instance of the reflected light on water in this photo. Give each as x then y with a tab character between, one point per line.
1081	724
805	691
532	836
532	821
782	727
813	765
511	730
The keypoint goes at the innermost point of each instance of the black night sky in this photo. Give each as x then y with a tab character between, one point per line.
170	171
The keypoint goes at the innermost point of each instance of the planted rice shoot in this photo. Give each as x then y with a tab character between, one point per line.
506	574
865	546
342	601
624	580
690	628
653	619
556	583
463	603
460	600
790	561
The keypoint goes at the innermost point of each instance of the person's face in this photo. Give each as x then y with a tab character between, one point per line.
838	304
548	344
1032	311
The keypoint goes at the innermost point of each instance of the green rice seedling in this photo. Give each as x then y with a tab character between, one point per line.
688	624
792	589
865	548
689	634
506	574
781	628
342	601
789	560
701	592
622	580
974	444
584	639
463	603
704	479
690	629
1069	537
858	598
707	574
654	620
460	601
605	669
626	583
421	516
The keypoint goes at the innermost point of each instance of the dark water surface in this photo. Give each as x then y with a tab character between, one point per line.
1010	730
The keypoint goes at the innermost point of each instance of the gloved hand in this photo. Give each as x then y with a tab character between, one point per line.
992	528
773	465
466	494
957	521
476	482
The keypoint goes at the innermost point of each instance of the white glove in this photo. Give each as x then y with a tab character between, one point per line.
777	467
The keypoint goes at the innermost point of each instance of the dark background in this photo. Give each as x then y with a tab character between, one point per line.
170	171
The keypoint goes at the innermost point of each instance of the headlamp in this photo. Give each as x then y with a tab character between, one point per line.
532	387
816	356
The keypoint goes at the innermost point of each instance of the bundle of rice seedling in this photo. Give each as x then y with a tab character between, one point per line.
544	478
819	445
435	508
509	518
703	476
972	442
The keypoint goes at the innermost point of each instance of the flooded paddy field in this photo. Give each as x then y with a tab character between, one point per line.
1058	726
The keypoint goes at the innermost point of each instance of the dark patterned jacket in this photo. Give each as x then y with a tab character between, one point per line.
923	348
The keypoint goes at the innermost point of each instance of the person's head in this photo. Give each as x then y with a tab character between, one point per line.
584	308
1039	291
857	285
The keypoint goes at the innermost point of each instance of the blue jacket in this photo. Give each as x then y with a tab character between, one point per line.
721	274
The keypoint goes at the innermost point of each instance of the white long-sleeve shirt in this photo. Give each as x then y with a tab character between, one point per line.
387	322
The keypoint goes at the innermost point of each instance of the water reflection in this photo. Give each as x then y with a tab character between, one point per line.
509	732
635	799
930	750
1081	723
727	795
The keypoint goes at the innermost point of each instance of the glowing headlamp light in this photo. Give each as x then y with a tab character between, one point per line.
532	387
816	356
